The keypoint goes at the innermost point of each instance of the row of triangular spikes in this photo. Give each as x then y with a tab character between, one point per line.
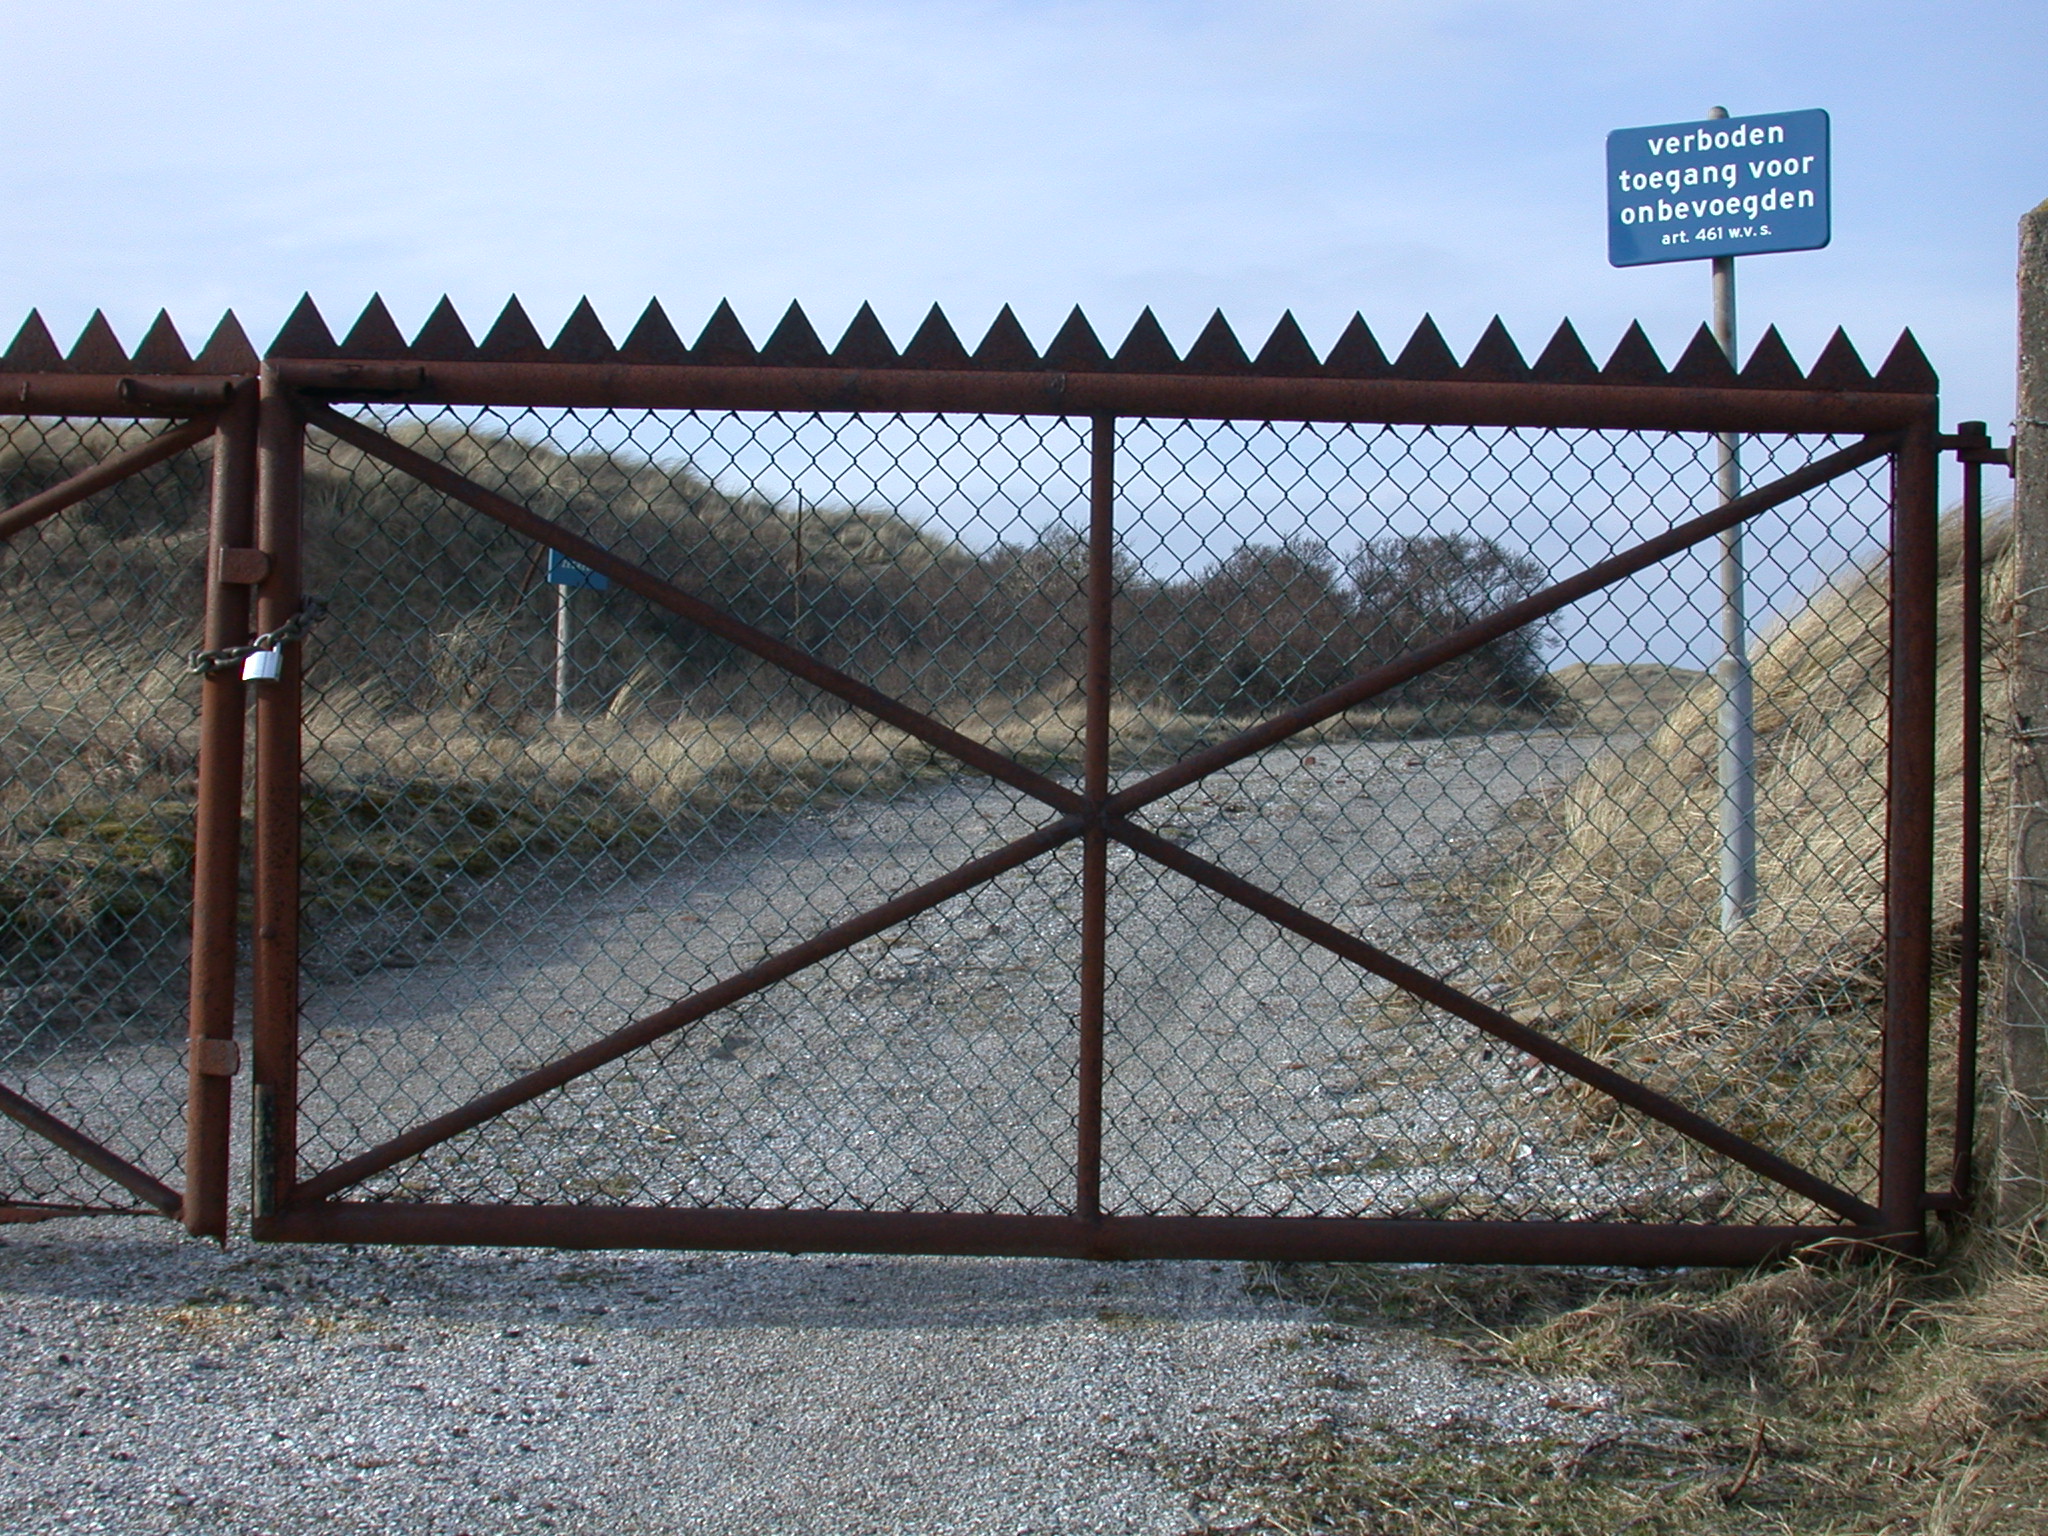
99	350
1076	348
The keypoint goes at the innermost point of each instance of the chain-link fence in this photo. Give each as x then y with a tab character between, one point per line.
100	605
1061	803
537	812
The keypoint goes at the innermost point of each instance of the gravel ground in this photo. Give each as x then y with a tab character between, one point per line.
155	1385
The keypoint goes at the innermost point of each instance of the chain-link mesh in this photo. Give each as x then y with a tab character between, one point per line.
99	606
536	812
1537	823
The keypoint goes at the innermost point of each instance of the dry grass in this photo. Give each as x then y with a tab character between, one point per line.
1615	696
406	808
1829	1396
1611	933
95	808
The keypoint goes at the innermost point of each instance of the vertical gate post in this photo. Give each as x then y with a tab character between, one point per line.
1096	683
1976	437
1909	840
275	965
217	827
2023	1121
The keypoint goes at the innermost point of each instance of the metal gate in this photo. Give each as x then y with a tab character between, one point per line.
123	478
1073	803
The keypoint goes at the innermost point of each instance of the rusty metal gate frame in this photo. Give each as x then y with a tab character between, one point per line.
216	399
1895	414
253	539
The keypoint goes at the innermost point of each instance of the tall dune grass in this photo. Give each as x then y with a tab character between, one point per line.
1612	933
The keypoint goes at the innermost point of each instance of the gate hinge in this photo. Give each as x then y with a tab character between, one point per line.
1971	444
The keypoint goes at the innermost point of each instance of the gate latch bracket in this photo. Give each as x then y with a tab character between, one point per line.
238	567
216	1058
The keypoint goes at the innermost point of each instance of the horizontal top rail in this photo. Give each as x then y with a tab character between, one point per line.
1217	377
138	397
1412	401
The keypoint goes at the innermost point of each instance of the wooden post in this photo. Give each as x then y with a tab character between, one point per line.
2023	1120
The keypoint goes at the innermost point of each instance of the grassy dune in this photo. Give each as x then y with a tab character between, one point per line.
1612	933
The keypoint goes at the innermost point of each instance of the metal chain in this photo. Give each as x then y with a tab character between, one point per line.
309	614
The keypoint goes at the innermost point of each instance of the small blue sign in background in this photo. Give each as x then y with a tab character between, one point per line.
564	572
1730	186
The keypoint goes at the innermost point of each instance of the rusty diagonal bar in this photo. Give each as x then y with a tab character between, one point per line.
679	1015
1501	1026
666	595
32	1116
1538	605
66	493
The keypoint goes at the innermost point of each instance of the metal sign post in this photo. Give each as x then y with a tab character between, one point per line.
567	575
1715	190
1737	758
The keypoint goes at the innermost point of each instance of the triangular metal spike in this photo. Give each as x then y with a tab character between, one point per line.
1772	365
583	338
1217	350
653	339
305	333
1357	354
1427	355
1496	359
227	350
512	338
1565	359
936	344
98	349
1703	365
1286	354
162	349
33	349
375	335
1838	366
1076	348
1634	361
1146	349
865	344
1906	371
1006	346
724	340
793	343
444	338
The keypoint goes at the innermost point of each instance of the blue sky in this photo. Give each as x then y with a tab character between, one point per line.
1390	158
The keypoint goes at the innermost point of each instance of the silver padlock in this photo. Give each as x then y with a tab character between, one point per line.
262	666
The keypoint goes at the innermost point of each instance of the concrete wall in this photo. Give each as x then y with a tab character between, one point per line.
2023	1115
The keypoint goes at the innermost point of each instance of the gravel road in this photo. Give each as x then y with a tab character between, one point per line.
933	1067
156	1385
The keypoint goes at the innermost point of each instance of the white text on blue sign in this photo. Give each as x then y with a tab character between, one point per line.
1735	186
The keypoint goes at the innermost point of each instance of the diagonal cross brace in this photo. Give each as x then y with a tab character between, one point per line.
109	1164
679	1015
1538	605
1503	1027
667	595
87	482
